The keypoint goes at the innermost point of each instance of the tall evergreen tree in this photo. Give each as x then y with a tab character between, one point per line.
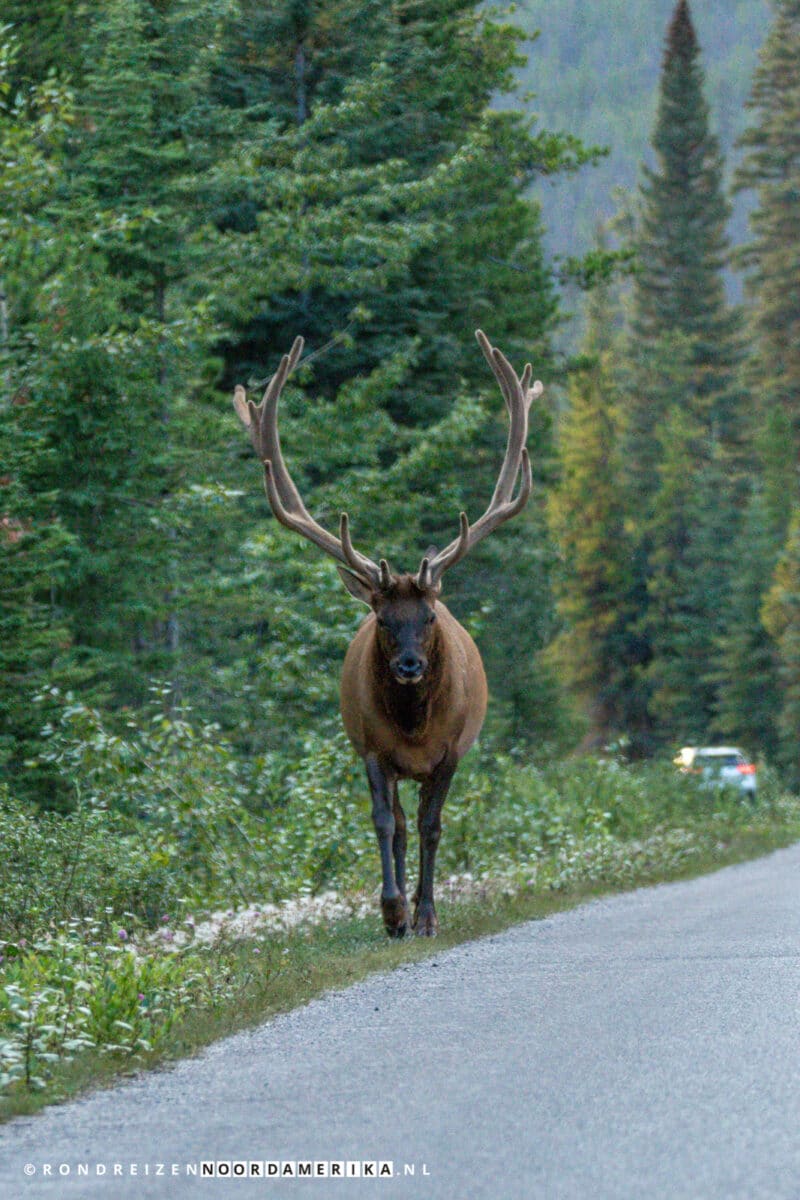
682	249
421	106
758	692
683	406
771	168
111	341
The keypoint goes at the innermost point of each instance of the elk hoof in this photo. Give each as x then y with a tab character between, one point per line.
425	923
395	916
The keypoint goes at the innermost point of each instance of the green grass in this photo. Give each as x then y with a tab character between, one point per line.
289	970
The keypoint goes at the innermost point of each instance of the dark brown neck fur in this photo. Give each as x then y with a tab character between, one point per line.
409	705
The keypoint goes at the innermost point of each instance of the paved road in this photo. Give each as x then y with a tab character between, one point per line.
645	1046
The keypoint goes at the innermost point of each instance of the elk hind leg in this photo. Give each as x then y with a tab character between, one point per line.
432	796
399	842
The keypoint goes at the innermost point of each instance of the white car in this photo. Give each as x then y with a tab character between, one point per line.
719	766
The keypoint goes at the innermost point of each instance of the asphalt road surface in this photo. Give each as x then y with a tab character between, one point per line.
644	1046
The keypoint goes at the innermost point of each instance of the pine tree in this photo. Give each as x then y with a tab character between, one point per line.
682	250
684	415
771	168
420	110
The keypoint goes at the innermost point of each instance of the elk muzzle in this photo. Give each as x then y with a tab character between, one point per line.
408	666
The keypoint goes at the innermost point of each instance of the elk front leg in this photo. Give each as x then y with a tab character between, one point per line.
383	787
432	796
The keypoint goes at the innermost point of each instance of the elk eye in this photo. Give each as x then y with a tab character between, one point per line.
431	618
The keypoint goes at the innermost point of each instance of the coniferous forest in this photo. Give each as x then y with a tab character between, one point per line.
185	187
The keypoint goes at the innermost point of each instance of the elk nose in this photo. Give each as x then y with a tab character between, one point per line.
409	666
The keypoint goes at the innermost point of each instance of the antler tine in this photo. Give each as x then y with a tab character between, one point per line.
261	422
241	406
285	501
269	442
518	396
437	566
359	562
489	355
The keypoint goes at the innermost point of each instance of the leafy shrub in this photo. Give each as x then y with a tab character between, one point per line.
82	987
54	867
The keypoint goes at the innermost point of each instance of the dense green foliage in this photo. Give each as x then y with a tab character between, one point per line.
666	494
250	199
337	170
596	578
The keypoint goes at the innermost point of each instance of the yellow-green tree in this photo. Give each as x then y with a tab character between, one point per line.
781	615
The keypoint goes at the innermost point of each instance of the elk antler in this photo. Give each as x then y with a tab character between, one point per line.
261	420
518	395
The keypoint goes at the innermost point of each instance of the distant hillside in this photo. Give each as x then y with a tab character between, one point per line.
595	68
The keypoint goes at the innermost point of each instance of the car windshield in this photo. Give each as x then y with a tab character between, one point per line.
716	761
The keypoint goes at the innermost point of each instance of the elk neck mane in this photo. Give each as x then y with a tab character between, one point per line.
409	706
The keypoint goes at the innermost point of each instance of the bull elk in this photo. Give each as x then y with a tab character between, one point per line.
413	690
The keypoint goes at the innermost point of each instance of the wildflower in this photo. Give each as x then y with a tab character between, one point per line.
123	935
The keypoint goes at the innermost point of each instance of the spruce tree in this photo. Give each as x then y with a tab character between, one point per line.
684	410
771	169
112	340
419	109
682	250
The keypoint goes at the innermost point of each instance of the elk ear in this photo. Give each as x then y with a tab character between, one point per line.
355	586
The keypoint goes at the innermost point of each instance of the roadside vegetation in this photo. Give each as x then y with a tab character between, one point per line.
106	962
